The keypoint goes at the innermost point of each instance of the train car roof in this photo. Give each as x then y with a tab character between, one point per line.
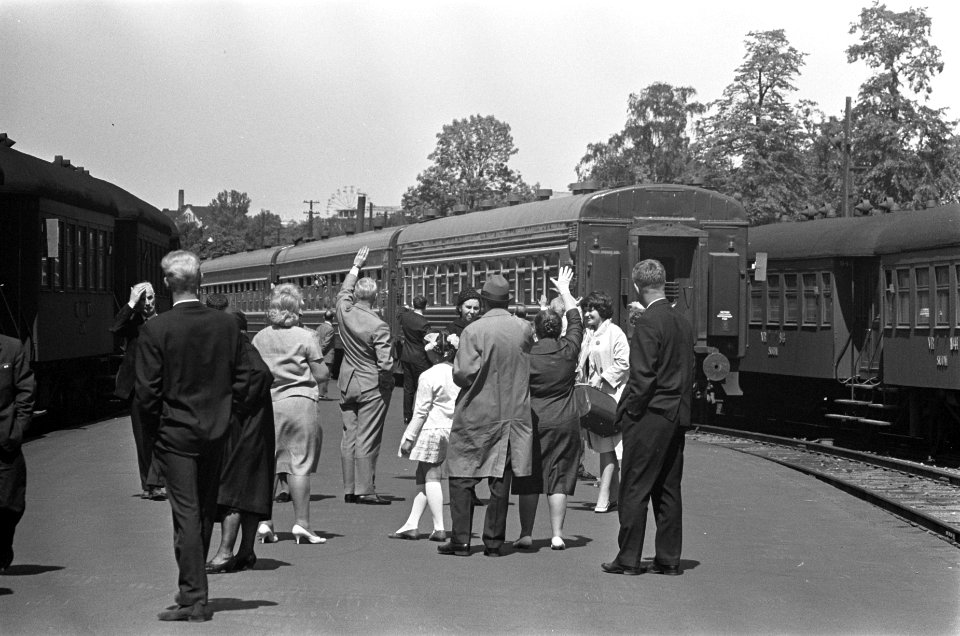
907	231
347	244
25	174
240	260
653	200
863	236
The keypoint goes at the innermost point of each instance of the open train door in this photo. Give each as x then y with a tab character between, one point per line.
676	246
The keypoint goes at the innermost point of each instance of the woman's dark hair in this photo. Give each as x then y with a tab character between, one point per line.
548	324
600	301
465	295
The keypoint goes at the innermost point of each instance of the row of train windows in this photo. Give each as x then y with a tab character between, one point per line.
441	284
921	296
319	291
83	261
792	299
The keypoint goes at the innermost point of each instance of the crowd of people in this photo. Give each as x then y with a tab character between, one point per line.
222	423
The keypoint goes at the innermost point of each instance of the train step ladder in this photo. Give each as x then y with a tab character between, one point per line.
862	406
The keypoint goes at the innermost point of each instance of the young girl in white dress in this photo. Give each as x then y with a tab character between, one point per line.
425	440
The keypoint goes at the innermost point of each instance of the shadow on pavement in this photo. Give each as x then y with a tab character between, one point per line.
235	604
268	564
24	569
4	591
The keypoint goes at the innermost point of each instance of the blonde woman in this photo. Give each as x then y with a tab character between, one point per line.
294	358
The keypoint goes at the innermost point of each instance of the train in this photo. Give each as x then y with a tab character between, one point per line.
854	330
699	235
71	245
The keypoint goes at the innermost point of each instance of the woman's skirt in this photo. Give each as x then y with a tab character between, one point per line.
298	435
556	457
431	446
246	477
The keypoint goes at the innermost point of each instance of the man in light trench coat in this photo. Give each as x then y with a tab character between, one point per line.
492	430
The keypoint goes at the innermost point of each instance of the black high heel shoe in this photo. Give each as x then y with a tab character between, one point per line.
220	568
241	563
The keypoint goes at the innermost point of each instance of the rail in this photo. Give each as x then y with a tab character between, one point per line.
925	496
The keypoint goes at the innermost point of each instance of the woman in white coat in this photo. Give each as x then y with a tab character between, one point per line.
605	365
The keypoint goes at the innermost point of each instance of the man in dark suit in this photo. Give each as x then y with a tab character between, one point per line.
365	383
413	358
653	413
325	339
141	307
190	371
16	409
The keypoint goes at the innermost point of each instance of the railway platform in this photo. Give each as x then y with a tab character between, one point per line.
766	550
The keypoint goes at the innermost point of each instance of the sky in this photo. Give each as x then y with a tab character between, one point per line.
298	101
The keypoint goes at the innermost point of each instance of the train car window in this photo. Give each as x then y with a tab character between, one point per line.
811	306
791	301
69	264
91	259
774	300
923	295
755	300
430	284
889	298
81	257
826	285
942	276
101	260
903	297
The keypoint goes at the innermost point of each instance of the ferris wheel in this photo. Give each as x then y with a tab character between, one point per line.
343	202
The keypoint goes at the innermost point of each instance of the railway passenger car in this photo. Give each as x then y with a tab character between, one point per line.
854	326
699	235
71	245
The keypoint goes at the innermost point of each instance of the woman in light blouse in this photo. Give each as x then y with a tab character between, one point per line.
605	365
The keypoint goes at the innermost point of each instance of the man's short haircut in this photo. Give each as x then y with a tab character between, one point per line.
494	304
285	304
601	301
366	289
548	324
649	274
419	302
329	314
558	305
181	270
217	301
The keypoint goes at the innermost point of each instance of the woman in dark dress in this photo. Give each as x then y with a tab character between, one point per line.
249	459
556	418
468	309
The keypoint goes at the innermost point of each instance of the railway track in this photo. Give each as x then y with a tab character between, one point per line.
924	496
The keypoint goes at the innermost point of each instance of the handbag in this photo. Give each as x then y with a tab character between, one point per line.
598	410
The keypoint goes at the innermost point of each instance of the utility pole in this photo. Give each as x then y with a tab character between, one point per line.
310	218
361	210
846	160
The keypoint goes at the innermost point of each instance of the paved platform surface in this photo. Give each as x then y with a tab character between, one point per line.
766	550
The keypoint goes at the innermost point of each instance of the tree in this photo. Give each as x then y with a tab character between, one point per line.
653	145
469	166
753	143
262	229
908	151
225	224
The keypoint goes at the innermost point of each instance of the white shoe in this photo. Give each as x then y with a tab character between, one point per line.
265	534
299	532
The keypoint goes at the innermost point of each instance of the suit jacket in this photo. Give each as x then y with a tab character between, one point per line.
325	340
191	369
661	366
16	395
366	344
553	365
127	325
492	368
413	327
